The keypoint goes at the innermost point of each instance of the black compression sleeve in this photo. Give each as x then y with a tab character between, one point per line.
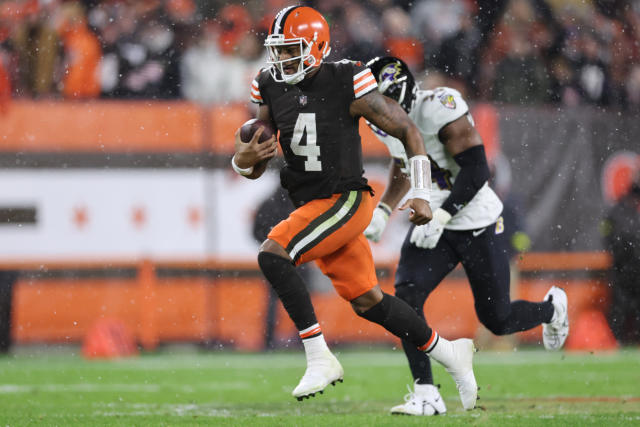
474	172
397	317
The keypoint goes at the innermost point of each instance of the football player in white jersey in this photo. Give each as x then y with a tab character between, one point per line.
466	226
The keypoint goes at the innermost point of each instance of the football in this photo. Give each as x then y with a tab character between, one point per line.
250	126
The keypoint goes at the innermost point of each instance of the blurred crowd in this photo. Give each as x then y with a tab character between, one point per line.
567	52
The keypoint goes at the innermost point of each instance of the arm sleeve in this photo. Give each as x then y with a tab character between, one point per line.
474	173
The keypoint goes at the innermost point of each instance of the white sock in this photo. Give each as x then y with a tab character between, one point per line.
316	345
442	352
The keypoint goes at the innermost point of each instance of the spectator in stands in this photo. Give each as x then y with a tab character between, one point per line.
633	88
437	20
399	40
5	81
578	52
622	238
563	89
116	24
520	76
38	47
143	48
455	56
82	54
221	64
592	72
7	55
365	34
234	22
158	76
201	77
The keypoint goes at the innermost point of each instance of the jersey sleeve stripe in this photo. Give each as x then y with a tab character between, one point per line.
363	81
361	73
256	97
255	93
366	89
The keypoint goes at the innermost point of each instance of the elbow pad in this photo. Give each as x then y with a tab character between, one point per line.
474	172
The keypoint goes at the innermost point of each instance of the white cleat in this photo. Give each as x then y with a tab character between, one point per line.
425	400
321	371
461	369
555	333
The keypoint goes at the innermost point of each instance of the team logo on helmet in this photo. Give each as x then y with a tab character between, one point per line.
390	72
394	80
448	101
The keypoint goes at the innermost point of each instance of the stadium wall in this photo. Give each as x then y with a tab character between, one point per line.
93	195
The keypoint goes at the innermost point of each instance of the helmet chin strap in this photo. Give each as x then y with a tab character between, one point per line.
294	80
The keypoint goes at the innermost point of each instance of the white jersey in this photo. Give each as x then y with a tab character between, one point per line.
432	110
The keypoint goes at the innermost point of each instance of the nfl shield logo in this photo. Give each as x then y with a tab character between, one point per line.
302	100
448	101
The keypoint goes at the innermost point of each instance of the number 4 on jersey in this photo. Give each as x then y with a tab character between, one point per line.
307	121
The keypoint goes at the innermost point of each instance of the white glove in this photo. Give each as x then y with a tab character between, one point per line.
427	236
378	222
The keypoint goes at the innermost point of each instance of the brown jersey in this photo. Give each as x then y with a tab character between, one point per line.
319	138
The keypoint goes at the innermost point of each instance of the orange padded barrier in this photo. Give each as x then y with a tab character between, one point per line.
585	261
223	121
131	127
62	310
232	310
101	126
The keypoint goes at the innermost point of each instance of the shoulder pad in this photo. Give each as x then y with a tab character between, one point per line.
436	108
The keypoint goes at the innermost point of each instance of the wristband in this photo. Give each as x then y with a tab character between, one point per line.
420	177
385	208
238	169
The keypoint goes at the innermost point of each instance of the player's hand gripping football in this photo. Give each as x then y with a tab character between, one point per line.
420	211
251	153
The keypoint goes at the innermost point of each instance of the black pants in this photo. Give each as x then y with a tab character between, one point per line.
485	261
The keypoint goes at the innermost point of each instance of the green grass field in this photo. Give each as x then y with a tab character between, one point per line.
225	388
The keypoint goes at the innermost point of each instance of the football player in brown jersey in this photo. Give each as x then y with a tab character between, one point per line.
316	106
